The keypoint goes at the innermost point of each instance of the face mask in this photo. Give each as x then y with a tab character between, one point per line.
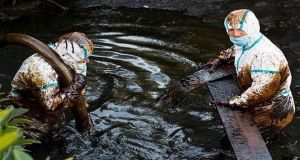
86	54
240	41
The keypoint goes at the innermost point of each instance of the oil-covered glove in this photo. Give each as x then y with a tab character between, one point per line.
211	64
238	102
72	92
69	95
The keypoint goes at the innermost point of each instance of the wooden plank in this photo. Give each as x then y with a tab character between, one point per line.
243	134
241	130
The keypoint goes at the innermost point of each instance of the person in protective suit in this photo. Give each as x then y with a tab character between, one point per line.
36	84
263	73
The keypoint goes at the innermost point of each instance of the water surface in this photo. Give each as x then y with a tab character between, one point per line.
137	53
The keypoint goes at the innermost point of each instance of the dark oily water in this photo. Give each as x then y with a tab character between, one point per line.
137	53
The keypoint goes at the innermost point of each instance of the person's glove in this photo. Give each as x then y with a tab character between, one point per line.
75	88
69	95
238	102
212	64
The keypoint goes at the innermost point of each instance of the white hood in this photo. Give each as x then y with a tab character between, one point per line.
249	23
71	53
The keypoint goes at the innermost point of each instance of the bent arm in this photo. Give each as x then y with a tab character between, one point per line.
224	56
264	87
265	75
66	97
38	76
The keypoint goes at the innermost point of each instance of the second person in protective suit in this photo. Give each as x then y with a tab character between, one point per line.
262	72
37	84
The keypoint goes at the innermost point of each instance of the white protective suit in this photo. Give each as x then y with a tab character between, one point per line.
37	83
263	75
38	75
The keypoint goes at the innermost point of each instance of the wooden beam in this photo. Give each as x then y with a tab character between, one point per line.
244	136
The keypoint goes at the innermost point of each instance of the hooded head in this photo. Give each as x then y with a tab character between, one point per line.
243	20
74	49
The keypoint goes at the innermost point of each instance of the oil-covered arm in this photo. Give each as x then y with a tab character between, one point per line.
265	74
38	80
69	96
224	56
